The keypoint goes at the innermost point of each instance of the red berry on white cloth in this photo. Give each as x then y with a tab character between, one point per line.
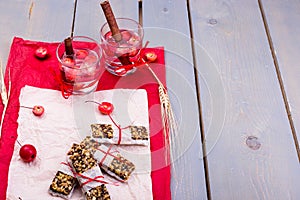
28	153
38	110
106	108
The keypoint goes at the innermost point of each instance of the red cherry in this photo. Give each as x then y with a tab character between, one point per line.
134	40
41	52
27	153
126	35
38	110
69	75
68	62
151	56
81	54
106	108
108	35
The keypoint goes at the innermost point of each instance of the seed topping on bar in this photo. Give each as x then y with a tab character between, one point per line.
82	159
98	193
62	183
121	167
89	144
102	131
139	133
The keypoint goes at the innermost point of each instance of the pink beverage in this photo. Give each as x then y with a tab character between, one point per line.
121	56
80	71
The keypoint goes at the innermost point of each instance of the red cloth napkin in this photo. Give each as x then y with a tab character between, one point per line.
25	69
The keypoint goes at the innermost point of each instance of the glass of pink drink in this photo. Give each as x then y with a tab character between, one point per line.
80	72
121	55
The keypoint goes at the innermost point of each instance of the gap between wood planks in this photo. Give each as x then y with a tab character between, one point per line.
197	80
30	10
275	60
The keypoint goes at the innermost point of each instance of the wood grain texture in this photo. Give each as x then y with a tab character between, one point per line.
166	24
89	15
12	10
35	20
232	33
282	17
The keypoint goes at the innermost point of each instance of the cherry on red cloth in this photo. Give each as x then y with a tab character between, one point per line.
26	69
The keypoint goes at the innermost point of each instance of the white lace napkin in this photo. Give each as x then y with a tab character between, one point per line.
66	121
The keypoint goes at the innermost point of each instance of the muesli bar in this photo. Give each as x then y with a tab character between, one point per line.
99	192
139	133
63	183
90	144
87	173
113	163
102	131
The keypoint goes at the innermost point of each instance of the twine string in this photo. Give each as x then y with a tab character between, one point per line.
119	128
98	179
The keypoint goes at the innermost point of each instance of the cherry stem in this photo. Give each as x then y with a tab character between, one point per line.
93	102
26	107
146	44
113	121
144	47
19	143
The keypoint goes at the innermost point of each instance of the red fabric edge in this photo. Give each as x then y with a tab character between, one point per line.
25	69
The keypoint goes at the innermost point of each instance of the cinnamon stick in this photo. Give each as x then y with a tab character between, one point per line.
68	47
111	20
114	28
124	60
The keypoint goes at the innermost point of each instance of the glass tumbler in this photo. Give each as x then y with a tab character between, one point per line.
121	56
79	72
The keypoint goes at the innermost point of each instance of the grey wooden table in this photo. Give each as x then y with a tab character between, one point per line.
233	75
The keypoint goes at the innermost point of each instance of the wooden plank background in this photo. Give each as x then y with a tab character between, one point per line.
233	34
250	148
282	18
